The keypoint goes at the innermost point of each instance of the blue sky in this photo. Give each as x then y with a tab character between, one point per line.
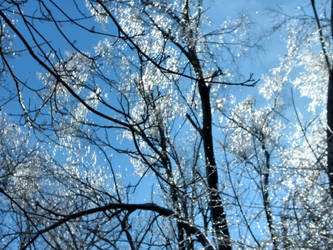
263	60
259	62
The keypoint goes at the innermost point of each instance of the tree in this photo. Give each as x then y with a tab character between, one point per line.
155	66
305	154
129	136
329	91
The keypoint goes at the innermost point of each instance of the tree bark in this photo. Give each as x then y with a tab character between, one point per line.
215	202
218	215
267	206
329	132
329	107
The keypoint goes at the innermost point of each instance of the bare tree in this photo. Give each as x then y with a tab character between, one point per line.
149	79
130	136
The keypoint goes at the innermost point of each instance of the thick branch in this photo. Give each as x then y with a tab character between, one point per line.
56	76
321	36
128	207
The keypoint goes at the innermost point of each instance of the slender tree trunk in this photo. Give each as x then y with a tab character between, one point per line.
217	212
267	206
215	201
174	194
329	131
329	95
330	117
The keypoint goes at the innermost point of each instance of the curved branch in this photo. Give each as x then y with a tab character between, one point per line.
57	77
128	207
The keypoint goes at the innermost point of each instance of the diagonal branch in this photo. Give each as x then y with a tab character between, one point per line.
57	76
321	36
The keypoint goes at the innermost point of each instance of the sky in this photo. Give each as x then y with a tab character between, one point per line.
258	62
264	59
272	47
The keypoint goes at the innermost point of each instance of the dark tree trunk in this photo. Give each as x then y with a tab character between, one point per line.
215	202
218	215
329	131
267	206
330	117
329	107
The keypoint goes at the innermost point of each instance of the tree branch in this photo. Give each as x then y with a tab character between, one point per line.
321	36
128	207
57	77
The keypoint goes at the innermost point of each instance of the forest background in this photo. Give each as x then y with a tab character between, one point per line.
156	124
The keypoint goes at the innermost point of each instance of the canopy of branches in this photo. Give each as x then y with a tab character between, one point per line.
157	124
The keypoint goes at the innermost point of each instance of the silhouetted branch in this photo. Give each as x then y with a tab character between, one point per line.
127	207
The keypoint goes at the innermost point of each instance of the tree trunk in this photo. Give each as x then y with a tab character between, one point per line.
218	215
329	131
329	96
215	202
330	119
